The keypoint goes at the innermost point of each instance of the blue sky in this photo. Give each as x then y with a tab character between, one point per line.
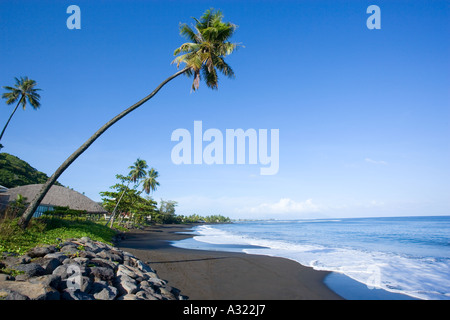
363	114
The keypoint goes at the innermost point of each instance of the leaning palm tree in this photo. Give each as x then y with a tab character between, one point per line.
137	173
24	90
205	53
150	182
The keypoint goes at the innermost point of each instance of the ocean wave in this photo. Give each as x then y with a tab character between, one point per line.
419	277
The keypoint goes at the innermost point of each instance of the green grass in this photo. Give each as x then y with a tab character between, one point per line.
47	231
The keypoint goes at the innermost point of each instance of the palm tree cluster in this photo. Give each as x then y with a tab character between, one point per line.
136	175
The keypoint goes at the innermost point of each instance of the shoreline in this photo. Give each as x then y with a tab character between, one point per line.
219	275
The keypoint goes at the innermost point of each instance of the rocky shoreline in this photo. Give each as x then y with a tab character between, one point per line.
81	269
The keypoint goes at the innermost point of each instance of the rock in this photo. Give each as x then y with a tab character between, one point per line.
109	256
37	252
75	294
34	291
143	267
81	261
61	271
24	259
82	269
57	255
48	280
157	282
87	254
145	295
31	269
50	265
92	247
70	249
10	261
126	284
104	263
6	277
102	273
102	291
6	294
81	283
85	239
125	270
166	293
128	297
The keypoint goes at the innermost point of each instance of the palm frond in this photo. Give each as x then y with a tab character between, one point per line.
209	45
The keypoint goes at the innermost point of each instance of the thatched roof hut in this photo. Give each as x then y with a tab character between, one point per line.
57	197
3	197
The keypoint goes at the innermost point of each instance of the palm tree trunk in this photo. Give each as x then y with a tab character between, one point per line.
115	208
7	122
27	215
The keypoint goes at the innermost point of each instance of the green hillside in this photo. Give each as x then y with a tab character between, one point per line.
15	172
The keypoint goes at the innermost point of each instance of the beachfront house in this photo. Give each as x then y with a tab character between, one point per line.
57	196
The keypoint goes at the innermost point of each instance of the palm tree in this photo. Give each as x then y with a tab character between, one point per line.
137	173
209	47
24	90
138	170
150	182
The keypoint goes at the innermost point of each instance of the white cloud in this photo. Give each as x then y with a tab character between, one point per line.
285	205
384	163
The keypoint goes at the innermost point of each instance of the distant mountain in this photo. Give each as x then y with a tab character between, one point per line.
15	172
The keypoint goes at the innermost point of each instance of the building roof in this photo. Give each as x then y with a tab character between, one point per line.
57	196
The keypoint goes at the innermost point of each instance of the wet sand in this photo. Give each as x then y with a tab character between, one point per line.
215	275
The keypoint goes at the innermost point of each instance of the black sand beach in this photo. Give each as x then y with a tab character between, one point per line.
214	275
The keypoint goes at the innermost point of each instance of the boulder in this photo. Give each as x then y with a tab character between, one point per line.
50	264
6	277
126	284
61	271
102	291
31	269
143	267
75	294
34	291
48	280
70	249
104	263
145	295
6	294
102	273
128	296
166	293
108	255
37	252
82	269
56	255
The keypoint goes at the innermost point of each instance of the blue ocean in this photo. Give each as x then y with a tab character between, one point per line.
402	255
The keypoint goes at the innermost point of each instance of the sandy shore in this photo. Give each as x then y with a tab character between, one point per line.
213	275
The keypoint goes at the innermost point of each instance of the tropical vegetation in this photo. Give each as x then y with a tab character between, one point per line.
133	200
49	230
15	172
